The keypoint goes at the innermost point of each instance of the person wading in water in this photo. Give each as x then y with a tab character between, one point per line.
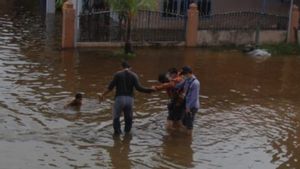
125	81
76	103
176	104
191	92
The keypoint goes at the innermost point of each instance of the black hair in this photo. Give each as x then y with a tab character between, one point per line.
162	78
173	71
78	96
125	64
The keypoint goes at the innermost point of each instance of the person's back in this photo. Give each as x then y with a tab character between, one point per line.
125	81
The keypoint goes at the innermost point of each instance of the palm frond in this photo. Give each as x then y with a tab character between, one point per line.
131	6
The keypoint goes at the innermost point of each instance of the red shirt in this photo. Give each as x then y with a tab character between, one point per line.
170	85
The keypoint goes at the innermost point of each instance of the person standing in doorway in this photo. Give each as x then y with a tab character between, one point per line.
125	81
191	92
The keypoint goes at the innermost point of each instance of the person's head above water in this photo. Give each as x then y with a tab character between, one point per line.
186	70
162	78
173	70
125	64
78	96
172	73
76	102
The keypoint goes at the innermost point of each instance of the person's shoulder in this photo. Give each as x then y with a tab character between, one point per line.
72	104
132	73
118	73
196	81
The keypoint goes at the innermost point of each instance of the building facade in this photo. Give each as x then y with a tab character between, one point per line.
207	7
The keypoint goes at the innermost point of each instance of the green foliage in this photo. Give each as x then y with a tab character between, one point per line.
59	4
127	9
121	54
282	49
131	7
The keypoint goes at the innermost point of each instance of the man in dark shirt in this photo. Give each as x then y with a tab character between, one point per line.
124	81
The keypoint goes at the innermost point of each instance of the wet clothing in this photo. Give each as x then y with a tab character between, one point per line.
125	81
189	118
191	88
169	87
123	104
176	104
175	111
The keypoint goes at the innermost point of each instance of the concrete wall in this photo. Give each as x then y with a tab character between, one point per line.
221	6
272	6
217	38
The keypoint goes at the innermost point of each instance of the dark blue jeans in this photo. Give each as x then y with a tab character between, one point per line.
123	104
188	118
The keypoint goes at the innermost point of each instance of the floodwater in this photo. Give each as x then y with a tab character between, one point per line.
249	117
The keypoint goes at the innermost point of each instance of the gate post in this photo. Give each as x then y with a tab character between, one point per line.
68	32
292	38
192	26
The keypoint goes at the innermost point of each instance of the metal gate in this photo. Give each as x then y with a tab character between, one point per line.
97	23
149	26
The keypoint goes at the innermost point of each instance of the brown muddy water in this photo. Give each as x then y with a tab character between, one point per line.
249	117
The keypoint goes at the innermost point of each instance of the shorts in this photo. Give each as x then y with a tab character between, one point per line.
175	112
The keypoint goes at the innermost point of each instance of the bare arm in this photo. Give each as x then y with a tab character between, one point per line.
165	86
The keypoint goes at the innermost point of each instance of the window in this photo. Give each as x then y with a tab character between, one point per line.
94	5
171	7
204	7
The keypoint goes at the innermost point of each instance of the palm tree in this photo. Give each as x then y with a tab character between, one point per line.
128	9
59	4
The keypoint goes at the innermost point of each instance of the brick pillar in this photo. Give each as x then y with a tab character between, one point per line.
192	26
68	32
292	38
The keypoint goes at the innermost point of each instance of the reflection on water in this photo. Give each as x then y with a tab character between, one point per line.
119	153
249	118
176	148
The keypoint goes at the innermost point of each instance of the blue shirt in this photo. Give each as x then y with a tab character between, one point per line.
191	88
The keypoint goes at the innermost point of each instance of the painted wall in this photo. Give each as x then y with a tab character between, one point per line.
271	6
218	38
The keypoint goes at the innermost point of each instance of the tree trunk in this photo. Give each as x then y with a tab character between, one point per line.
128	45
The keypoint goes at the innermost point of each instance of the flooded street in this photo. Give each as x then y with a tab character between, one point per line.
249	117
